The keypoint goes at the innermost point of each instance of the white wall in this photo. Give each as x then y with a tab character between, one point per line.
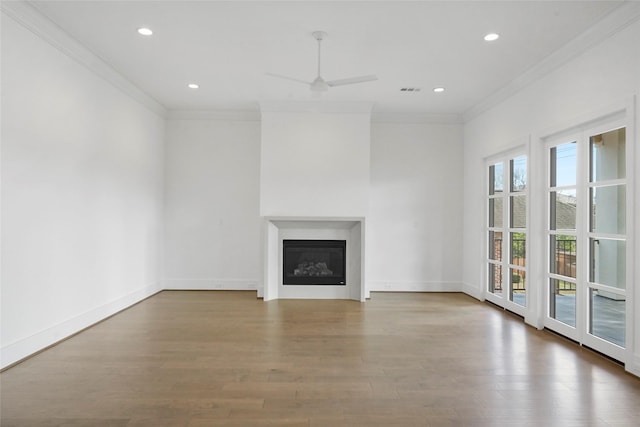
212	221
414	220
314	163
81	196
414	226
606	74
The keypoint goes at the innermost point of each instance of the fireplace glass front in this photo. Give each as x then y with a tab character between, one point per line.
314	262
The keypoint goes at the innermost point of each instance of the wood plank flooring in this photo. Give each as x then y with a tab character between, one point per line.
228	359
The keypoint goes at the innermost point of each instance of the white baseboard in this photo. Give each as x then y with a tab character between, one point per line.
472	291
634	366
380	286
210	284
26	347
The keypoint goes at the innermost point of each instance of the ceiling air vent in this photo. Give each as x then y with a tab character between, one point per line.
410	89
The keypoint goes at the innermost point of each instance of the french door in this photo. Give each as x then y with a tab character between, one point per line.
586	237
507	232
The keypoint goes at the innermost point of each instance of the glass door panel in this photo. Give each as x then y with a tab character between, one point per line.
608	266
495	245
606	314
518	287
518	230
519	174
518	211
507	233
562	286
563	209
518	249
608	156
562	237
495	212
495	229
564	165
563	255
496	178
495	279
587	240
607	209
562	301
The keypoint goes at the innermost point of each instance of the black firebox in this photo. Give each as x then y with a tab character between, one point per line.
314	262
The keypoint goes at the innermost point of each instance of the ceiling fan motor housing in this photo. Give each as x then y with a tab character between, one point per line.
319	85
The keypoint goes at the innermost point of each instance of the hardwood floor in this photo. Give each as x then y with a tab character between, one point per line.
228	359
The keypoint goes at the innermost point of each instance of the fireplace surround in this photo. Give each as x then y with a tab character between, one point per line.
348	231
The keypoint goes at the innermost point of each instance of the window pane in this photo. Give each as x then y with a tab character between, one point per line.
495	179
608	262
607	152
519	173
495	212
495	279
562	301
518	211
563	165
563	255
607	320
518	249
495	245
498	177
563	210
519	287
608	209
492	180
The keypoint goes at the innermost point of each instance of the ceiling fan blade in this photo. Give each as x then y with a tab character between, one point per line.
280	76
352	80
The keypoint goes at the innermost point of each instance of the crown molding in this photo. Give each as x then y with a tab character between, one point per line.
231	116
27	15
315	107
416	118
620	18
255	116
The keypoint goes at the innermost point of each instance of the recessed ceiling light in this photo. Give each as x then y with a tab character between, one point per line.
438	89
145	31
491	37
193	86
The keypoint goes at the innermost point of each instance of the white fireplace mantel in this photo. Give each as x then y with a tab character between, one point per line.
351	229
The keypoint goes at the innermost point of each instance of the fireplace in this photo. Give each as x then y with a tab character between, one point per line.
314	262
304	234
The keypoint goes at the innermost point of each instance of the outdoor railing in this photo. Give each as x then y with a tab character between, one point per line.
565	264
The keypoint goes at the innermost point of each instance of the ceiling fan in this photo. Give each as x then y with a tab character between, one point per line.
319	84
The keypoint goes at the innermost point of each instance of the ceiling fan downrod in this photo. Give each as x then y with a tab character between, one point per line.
319	84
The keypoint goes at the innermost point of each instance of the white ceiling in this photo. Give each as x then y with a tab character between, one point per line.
227	47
